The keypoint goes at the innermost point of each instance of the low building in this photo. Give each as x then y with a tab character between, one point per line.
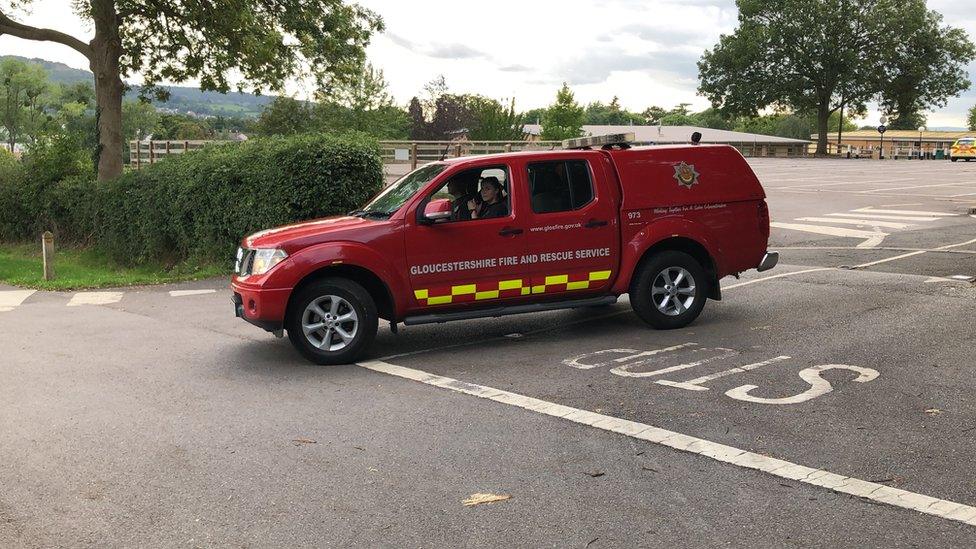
749	144
897	143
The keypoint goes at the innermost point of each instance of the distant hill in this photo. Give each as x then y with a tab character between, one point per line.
182	99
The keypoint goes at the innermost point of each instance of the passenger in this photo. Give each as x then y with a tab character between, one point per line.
492	202
460	198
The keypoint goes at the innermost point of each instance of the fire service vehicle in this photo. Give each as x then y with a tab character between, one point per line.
495	235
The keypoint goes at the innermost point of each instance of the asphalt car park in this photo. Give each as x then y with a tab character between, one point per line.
151	416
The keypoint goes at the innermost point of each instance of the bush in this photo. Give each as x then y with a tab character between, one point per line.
193	206
12	215
200	205
31	198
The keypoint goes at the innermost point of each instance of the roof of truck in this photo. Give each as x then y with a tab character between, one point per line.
565	152
680	134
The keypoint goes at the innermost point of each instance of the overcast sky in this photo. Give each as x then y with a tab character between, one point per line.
642	51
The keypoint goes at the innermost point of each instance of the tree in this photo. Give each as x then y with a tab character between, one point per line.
564	118
929	66
806	55
285	115
418	125
433	91
713	118
494	121
363	103
612	114
452	115
971	119
534	116
21	88
653	114
264	42
678	116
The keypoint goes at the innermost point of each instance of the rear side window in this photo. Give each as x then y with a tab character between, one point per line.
560	186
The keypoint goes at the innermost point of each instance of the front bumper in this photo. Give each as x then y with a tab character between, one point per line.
264	308
769	260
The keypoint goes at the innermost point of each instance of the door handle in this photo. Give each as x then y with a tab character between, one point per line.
508	231
593	223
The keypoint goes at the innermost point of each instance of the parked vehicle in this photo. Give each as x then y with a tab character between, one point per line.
963	149
563	229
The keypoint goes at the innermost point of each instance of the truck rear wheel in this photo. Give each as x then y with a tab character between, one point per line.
669	290
332	321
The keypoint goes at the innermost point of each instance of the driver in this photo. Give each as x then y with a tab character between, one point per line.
492	202
460	197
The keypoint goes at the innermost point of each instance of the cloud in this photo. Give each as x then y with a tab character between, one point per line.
595	68
440	51
514	68
665	36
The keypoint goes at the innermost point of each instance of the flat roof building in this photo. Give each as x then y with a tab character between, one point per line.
897	143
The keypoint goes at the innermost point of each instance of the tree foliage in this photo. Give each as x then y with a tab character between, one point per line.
930	66
262	43
24	94
563	119
613	114
816	56
494	121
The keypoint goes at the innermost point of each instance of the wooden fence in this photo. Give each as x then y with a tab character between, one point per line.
150	152
400	157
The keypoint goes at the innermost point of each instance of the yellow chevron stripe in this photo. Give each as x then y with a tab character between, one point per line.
420	294
556	279
578	285
464	289
440	300
510	284
599	275
491	294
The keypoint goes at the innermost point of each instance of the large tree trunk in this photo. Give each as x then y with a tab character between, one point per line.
823	116
106	51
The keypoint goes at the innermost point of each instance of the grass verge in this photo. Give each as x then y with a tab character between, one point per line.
80	268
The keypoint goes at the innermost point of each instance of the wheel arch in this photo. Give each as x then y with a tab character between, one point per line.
691	247
370	281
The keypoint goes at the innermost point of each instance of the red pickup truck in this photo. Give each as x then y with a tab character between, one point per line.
487	236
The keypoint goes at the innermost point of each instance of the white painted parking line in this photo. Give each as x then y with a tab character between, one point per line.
95	298
781	275
866	215
720	452
865	222
10	299
880	261
821	229
181	293
904	212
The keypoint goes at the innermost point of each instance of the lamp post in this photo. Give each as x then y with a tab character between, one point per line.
882	129
920	130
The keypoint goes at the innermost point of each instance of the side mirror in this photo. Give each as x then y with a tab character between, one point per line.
438	210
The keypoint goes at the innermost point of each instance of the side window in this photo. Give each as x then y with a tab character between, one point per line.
479	193
559	186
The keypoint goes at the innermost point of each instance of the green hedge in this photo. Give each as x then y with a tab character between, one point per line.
200	204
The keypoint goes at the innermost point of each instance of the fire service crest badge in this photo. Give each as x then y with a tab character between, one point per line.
685	174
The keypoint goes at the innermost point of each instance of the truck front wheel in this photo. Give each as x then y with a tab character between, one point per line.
669	290
332	321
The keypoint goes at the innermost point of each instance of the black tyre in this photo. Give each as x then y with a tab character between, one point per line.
954	159
669	290
332	321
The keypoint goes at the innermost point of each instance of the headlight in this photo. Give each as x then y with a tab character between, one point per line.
265	259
